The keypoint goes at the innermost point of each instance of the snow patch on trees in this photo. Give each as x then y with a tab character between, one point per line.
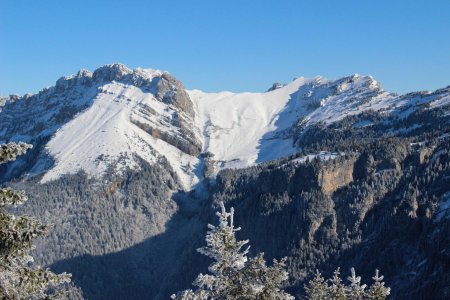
319	288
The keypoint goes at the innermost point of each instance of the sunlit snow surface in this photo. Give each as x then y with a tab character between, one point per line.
242	129
104	134
237	128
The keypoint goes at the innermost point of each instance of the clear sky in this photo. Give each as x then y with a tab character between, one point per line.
235	45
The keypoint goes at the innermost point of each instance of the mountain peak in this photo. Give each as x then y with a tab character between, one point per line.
112	72
119	71
109	73
275	86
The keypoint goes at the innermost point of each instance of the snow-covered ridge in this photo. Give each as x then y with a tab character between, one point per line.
101	119
109	73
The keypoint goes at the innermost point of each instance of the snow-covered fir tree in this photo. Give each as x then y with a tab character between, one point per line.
19	279
233	275
337	289
378	291
319	289
9	152
356	289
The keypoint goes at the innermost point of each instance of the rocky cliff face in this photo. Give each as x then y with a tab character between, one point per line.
335	176
171	92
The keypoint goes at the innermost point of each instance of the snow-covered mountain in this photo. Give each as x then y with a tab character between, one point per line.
358	177
95	121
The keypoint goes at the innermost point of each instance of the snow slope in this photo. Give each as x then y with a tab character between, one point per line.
235	127
242	129
104	134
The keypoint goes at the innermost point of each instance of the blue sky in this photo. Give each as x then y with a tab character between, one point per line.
235	45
